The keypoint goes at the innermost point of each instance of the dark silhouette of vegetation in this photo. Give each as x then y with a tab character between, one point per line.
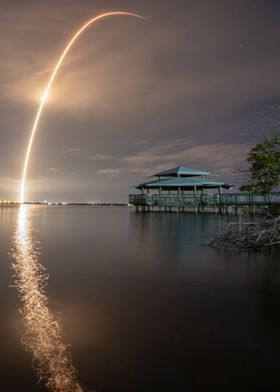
249	236
264	166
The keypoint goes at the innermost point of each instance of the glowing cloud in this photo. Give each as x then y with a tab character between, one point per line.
53	75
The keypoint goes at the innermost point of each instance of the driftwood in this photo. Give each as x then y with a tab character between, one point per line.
249	236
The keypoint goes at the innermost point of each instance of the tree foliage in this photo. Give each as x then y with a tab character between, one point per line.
264	165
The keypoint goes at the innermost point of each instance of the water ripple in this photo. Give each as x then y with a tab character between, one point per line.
51	357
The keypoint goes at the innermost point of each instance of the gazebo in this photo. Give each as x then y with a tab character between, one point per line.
178	187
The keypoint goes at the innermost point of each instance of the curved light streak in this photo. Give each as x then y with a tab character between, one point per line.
53	75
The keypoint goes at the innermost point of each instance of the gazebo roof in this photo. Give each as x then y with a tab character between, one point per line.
181	171
183	183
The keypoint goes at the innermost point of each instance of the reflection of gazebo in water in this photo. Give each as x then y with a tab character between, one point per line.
178	188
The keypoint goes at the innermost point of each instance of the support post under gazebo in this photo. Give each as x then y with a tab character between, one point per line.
195	199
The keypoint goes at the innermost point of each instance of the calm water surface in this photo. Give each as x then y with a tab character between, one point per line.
143	304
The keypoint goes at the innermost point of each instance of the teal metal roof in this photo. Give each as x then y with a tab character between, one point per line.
181	171
183	183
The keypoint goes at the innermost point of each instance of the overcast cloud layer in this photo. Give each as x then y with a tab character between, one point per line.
197	87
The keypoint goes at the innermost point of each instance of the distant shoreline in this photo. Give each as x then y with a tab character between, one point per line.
13	204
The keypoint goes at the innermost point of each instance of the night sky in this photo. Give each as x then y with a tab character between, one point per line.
197	87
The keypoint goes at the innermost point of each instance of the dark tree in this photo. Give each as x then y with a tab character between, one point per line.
264	166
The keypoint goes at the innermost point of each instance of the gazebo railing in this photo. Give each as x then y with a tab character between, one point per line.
227	199
168	200
250	198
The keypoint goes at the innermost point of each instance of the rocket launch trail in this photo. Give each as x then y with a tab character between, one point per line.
49	85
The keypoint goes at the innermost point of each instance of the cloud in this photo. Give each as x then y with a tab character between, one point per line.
150	171
191	88
100	157
222	158
74	150
109	172
156	153
53	170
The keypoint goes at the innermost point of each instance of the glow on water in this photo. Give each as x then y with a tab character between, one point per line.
51	357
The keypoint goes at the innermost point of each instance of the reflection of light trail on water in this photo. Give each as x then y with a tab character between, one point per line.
46	92
51	358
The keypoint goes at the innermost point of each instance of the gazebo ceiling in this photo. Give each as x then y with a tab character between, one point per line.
182	183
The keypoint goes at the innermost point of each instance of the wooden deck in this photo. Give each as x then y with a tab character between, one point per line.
219	203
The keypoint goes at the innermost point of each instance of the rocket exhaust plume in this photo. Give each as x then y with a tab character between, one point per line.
49	85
